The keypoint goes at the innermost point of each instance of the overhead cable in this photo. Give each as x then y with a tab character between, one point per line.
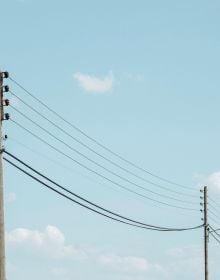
95	152
97	173
215	237
97	142
214	208
100	165
149	227
214	230
70	169
213	213
216	203
214	220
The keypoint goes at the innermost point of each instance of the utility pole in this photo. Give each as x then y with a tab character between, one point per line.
206	232
2	229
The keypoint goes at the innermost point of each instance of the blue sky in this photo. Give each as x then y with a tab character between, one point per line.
141	77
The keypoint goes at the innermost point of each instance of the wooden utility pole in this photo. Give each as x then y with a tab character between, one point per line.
2	228
206	232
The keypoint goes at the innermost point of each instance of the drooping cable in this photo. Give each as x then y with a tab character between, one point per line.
70	169
149	227
97	142
216	203
214	230
97	173
100	165
214	208
92	150
214	220
218	240
216	216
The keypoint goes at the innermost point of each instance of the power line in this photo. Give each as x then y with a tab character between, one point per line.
214	237
70	192
214	230
65	167
97	173
214	220
214	208
92	150
214	214
99	165
58	163
216	203
97	142
146	226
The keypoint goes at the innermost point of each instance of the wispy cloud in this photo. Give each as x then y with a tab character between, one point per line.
95	84
184	260
51	242
129	263
50	245
212	181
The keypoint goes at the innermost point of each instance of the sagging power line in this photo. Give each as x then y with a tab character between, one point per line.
91	149
61	190
143	225
97	142
99	174
100	165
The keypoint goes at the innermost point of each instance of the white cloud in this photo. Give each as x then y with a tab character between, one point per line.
51	242
212	181
184	260
10	197
95	84
50	247
129	263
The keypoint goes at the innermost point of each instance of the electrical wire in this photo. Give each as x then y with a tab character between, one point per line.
215	237
217	204
74	194
99	165
70	170
97	142
214	214
92	150
97	173
214	220
214	208
149	227
56	162
214	230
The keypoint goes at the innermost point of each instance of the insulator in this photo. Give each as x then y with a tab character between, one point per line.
5	75
201	190
6	137
201	210
5	88
201	197
7	116
6	102
201	203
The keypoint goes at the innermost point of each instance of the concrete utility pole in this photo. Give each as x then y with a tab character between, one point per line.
206	232
2	229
